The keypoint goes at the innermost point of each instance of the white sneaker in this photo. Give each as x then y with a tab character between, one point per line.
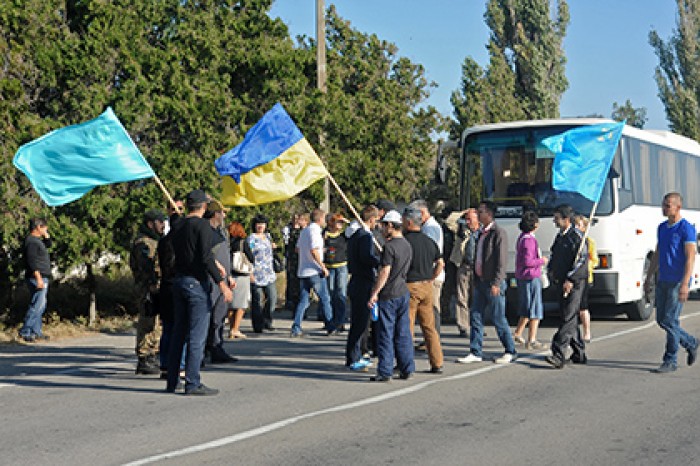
471	357
507	358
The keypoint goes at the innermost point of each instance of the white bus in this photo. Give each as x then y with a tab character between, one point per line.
516	173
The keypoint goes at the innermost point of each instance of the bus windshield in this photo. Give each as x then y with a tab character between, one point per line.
517	172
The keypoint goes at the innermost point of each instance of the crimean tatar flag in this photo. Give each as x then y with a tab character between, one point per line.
583	157
65	164
274	162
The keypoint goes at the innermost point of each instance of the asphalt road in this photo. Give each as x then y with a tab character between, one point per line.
292	402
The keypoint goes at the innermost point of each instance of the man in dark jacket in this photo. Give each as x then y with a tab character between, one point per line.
221	249
490	287
568	273
363	260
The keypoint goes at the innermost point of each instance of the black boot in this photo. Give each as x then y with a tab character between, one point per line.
147	366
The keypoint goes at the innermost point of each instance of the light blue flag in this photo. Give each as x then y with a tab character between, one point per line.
583	157
65	164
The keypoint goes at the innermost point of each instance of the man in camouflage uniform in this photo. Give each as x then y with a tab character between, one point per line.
146	272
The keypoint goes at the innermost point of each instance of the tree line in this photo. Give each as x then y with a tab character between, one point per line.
188	79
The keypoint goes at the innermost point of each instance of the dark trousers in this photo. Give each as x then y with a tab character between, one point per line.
359	291
219	309
569	333
192	313
263	305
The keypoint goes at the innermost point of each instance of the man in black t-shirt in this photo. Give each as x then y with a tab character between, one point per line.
194	265
391	294
37	274
426	265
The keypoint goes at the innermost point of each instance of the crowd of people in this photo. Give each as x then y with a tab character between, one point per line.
193	273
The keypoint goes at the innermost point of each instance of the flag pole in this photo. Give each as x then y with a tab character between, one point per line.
167	194
585	235
352	208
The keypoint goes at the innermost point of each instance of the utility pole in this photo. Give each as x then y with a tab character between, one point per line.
321	84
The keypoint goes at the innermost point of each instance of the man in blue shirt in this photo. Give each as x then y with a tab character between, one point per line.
674	259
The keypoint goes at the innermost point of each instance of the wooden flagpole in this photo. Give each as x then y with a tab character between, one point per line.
167	194
352	208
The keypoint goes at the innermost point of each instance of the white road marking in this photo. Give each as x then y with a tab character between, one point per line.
262	430
4	385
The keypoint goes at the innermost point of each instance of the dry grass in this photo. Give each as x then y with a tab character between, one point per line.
59	329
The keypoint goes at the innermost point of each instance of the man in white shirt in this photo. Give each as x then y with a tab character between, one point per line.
312	273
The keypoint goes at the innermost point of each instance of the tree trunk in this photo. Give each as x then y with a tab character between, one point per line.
91	283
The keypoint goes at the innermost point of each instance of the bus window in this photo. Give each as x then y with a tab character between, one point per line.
517	173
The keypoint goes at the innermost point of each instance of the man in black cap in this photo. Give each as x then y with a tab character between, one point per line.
146	271
194	265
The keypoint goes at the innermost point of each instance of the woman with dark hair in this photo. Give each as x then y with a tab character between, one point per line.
241	270
262	282
528	273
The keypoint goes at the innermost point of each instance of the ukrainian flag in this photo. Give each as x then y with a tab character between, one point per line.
274	162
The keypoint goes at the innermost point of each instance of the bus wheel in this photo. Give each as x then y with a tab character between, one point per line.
642	308
639	310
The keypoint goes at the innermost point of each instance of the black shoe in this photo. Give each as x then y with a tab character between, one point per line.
693	355
380	378
164	374
579	359
436	370
42	337
555	361
269	327
28	338
405	375
219	356
665	368
145	366
223	359
421	347
463	334
177	387
202	390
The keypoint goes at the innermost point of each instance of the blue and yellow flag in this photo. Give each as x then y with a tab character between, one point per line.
583	157
274	162
65	164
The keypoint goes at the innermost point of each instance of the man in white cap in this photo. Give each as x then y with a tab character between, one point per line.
391	294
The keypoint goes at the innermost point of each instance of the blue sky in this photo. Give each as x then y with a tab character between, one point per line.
609	56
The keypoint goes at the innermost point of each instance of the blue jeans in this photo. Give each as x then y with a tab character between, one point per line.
485	304
37	306
394	337
338	289
668	311
261	315
320	286
192	308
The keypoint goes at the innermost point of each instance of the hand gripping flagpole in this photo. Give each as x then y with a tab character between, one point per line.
352	208
167	194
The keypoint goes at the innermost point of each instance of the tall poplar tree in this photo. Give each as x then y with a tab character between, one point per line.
678	73
525	77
